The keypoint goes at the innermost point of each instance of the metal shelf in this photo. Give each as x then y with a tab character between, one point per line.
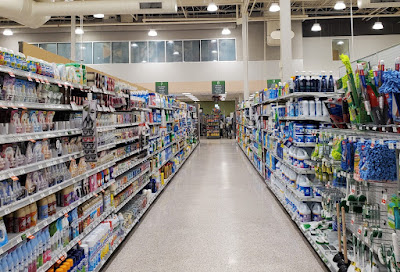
21	170
12	138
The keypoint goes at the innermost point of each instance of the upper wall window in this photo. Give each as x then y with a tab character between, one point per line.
51	47
209	50
191	50
340	46
139	52
86	50
64	50
157	51
227	50
120	52
101	52
174	51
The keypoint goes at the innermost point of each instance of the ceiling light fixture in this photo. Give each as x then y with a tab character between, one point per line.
98	16
79	31
226	31
274	7
186	93
213	41
171	42
340	5
176	53
377	26
214	52
212	7
134	44
340	42
316	27
8	32
152	33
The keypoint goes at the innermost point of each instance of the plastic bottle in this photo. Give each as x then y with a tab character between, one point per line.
10	262
4	264
297	83
312	83
33	213
39	260
14	256
316	212
317	83
303	81
21	260
312	108
304	212
20	220
331	83
301	157
324	83
305	108
318	107
43	208
48	245
308	82
325	111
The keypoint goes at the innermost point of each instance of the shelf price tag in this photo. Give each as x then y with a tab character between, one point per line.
384	199
11	74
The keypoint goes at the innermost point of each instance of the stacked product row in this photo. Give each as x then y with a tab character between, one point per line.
72	158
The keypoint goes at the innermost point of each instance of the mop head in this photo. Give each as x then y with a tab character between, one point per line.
391	82
346	61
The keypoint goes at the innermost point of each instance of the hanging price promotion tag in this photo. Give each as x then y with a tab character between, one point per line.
352	220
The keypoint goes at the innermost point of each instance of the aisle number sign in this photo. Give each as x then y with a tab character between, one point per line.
162	87
218	87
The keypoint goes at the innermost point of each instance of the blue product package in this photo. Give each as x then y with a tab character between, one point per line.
298	128
309	138
299	138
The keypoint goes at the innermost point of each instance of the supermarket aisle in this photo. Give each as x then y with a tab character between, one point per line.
215	215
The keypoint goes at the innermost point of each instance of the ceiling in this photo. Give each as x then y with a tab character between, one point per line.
195	11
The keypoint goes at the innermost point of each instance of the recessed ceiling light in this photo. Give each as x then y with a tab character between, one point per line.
316	27
99	16
152	33
8	32
274	7
377	26
226	31
340	42
212	7
340	5
176	53
79	31
214	52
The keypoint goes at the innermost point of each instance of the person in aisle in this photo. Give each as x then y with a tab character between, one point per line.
221	127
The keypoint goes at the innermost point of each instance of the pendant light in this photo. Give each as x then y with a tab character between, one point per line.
8	32
226	31
274	7
377	26
316	27
340	5
212	7
152	33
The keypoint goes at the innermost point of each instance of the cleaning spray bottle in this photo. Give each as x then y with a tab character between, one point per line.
316	212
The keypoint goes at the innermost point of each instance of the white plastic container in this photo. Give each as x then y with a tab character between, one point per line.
304	213
316	212
301	157
305	110
318	108
311	108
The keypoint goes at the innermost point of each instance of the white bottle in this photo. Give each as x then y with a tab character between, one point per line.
318	108
305	213
312	107
305	108
316	212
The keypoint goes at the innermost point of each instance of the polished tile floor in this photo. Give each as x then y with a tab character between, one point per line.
215	215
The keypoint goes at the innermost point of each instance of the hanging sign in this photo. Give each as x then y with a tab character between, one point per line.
162	88
218	87
271	82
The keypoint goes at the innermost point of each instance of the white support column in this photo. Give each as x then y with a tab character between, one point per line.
245	41
73	38
286	41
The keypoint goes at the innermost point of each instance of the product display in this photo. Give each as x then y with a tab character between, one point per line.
327	177
66	173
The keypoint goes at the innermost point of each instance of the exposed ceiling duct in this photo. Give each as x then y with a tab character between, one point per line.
34	14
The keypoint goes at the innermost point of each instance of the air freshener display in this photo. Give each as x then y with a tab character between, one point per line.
89	131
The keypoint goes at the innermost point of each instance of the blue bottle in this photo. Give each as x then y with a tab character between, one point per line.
324	85
331	83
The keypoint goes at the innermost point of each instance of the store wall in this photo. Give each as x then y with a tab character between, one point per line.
317	51
226	106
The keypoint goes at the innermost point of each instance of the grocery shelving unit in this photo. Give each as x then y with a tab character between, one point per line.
125	150
258	137
213	131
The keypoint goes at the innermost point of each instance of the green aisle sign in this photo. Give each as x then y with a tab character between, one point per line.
162	87
218	87
271	82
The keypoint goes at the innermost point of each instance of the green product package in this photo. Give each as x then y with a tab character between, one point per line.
393	213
